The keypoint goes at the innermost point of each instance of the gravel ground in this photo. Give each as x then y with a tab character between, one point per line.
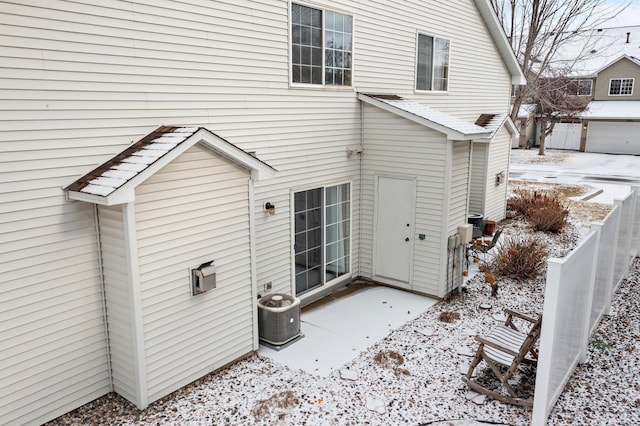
412	376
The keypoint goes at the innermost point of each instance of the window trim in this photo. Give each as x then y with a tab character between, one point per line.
337	280
322	86
633	83
415	68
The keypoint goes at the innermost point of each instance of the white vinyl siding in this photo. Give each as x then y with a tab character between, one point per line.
459	186
478	181
498	161
395	146
194	210
54	354
81	80
118	298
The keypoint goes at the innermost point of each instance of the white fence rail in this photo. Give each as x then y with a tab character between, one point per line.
578	293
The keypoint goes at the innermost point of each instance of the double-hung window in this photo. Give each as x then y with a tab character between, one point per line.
580	87
321	46
621	87
432	72
322	235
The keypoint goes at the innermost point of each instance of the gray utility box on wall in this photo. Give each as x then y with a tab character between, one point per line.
278	318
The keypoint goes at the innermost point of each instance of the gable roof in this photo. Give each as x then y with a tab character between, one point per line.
502	43
633	60
453	127
598	49
114	181
494	122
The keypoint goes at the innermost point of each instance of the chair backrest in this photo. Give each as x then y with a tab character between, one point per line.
496	235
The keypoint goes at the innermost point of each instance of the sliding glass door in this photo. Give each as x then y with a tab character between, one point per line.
322	240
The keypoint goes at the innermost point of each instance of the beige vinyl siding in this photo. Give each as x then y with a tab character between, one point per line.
394	146
118	298
478	183
495	196
624	68
192	211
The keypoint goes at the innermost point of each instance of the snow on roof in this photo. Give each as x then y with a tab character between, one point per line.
599	49
526	110
454	127
623	110
491	122
108	177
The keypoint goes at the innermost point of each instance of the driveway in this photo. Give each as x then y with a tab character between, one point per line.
614	174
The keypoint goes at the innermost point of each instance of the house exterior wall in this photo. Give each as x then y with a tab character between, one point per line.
118	299
459	188
85	79
495	207
478	183
394	146
624	68
194	210
53	340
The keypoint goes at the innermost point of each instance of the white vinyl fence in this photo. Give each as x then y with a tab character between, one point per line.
578	293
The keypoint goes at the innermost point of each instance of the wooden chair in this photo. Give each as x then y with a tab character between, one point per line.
480	246
506	346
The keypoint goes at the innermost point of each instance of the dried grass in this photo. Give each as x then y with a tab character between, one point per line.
391	360
277	405
448	316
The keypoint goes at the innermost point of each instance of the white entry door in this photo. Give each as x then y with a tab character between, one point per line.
393	238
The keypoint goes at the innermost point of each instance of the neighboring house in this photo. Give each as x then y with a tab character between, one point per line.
164	165
607	72
611	124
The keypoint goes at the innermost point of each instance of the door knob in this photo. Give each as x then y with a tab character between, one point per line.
406	239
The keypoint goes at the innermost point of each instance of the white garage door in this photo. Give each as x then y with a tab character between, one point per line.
613	137
565	136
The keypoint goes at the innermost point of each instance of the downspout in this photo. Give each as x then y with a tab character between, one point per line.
103	291
135	309
253	262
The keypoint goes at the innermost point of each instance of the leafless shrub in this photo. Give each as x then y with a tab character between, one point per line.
543	209
519	257
550	217
277	405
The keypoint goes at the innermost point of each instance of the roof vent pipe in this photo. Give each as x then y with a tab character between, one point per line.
628	34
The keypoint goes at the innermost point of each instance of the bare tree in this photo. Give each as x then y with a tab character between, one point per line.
557	99
539	29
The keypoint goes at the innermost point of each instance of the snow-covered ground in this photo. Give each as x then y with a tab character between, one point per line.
411	375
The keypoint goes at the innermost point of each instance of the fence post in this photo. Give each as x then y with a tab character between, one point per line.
635	235
586	330
617	210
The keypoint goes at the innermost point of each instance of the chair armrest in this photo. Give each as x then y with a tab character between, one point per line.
520	315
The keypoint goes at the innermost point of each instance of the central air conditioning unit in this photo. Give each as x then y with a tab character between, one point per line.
278	318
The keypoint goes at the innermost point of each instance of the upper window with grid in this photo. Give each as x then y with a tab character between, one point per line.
321	46
432	71
621	87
